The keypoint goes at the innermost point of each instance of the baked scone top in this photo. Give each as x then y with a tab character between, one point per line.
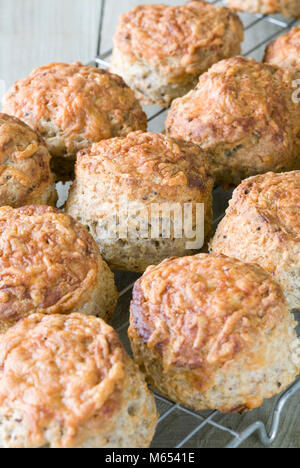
81	103
24	163
60	373
287	8
276	199
148	164
285	51
47	262
236	99
202	312
174	37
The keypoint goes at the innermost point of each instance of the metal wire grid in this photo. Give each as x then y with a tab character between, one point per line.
201	420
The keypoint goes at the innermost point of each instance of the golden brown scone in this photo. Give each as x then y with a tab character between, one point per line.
161	50
25	176
211	332
49	263
73	106
262	225
243	113
288	8
67	382
285	51
123	178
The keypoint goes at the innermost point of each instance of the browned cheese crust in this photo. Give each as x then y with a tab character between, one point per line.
243	113
49	263
262	225
208	331
285	51
73	106
143	168
66	382
161	50
288	8
25	176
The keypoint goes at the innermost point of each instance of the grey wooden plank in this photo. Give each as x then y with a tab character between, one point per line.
34	33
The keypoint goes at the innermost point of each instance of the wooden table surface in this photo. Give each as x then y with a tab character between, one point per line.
35	32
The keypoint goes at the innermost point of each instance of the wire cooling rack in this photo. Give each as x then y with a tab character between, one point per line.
178	426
